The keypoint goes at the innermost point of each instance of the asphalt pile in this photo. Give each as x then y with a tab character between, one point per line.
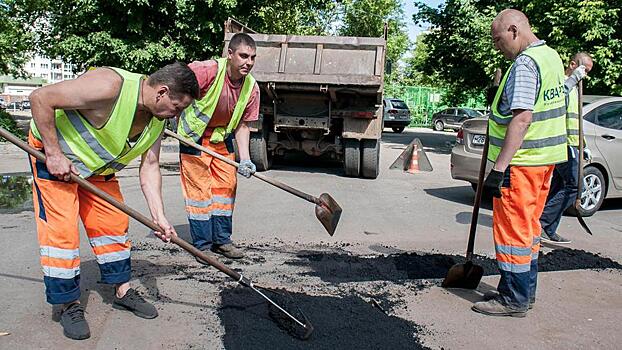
340	323
397	268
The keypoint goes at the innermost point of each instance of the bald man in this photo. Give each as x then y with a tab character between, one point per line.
527	137
564	184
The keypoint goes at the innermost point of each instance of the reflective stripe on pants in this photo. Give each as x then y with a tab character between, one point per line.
57	206
209	187
516	231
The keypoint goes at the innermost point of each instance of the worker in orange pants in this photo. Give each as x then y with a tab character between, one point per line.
526	138
57	205
209	186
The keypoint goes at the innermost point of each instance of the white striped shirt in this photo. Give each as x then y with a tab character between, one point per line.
523	84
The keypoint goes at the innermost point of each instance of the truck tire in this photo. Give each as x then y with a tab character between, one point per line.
370	167
352	157
258	148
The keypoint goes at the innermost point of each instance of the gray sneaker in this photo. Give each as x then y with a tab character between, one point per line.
74	324
228	250
493	294
132	301
495	307
554	238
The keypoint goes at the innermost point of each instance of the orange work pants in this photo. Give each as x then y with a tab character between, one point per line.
516	231
57	206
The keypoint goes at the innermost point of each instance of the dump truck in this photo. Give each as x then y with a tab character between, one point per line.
319	94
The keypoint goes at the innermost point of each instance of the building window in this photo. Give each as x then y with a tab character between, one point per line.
32	65
67	67
44	75
68	77
58	76
45	66
56	66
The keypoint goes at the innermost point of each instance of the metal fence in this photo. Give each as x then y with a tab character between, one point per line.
424	101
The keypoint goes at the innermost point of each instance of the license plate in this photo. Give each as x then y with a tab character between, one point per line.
479	139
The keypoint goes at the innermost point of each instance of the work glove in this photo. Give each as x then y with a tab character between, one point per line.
587	154
246	168
493	183
575	77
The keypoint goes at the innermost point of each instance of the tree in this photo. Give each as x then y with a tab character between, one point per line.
143	35
460	54
367	18
15	40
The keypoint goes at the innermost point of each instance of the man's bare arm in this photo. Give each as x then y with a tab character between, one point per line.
151	185
517	129
95	90
242	137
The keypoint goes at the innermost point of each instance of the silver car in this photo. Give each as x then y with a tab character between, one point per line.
603	133
396	114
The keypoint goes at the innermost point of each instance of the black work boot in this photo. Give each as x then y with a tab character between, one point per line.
73	322
132	301
496	307
493	294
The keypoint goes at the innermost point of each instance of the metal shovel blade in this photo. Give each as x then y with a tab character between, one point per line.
328	212
465	276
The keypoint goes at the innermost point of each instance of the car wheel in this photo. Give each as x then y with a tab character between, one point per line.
593	192
439	125
398	129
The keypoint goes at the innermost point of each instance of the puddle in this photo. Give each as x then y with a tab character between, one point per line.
342	268
339	323
15	193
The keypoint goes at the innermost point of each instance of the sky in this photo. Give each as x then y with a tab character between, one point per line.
409	10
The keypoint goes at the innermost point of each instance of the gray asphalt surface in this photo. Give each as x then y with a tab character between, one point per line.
394	214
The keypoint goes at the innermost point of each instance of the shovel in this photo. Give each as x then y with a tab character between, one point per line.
577	203
468	275
326	208
300	328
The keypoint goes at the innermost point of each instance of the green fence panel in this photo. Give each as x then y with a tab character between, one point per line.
424	101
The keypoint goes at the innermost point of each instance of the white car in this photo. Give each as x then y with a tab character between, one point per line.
603	133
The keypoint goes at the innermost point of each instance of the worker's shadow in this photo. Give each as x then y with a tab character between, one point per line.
472	295
145	271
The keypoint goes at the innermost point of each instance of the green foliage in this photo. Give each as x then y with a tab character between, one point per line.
7	122
367	18
458	52
15	40
143	35
14	191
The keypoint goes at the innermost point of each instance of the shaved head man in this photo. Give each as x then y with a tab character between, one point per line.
527	137
511	33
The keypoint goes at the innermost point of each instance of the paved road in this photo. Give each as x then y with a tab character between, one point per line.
394	214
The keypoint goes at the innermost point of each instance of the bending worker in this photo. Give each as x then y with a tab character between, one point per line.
229	99
564	184
527	131
93	126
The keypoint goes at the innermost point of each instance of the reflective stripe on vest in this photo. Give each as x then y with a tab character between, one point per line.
105	150
195	118
572	118
545	140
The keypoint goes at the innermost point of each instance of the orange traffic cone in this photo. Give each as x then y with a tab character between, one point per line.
413	167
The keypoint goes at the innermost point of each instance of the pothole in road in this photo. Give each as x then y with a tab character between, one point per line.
340	323
342	268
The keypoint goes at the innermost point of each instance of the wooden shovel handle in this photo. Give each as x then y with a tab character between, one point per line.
264	178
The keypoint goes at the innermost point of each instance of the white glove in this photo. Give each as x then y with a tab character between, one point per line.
587	154
246	168
575	77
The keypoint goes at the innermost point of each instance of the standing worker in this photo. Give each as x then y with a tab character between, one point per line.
564	182
93	126
527	131
229	99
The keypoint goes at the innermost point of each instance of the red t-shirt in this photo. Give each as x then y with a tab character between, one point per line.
205	72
